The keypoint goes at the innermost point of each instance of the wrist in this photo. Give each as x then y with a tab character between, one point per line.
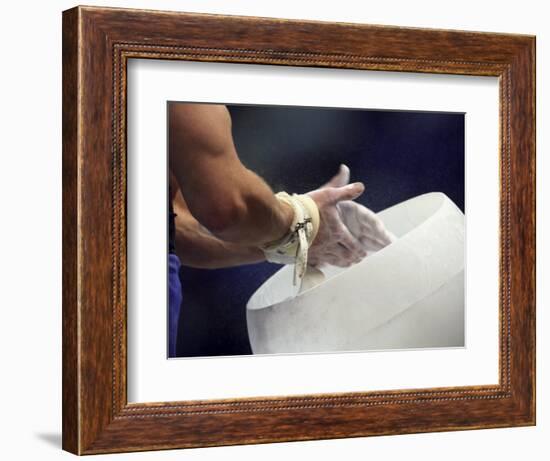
292	247
286	217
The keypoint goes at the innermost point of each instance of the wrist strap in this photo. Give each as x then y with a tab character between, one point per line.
293	247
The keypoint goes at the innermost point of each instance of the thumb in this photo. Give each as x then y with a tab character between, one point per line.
340	179
349	192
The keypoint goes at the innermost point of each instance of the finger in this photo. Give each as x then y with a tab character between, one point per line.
338	261
351	243
341	257
374	232
370	244
364	216
367	216
378	236
369	222
344	252
340	179
349	192
387	237
381	234
332	259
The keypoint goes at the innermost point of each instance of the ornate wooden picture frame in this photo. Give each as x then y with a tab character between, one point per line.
97	44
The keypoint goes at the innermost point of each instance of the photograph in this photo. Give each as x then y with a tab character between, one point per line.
297	229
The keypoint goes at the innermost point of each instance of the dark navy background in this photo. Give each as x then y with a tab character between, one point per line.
398	155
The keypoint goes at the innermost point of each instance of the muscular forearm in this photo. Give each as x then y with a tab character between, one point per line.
257	216
196	247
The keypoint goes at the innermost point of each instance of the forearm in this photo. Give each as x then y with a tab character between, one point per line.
257	216
196	247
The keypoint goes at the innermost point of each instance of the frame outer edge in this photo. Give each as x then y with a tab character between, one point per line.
70	173
97	245
523	233
534	213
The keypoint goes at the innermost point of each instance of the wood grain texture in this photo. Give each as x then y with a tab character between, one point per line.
70	363
97	43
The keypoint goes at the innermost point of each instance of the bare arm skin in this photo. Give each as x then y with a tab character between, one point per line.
197	247
232	202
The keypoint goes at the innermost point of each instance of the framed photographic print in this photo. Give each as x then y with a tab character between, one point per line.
282	230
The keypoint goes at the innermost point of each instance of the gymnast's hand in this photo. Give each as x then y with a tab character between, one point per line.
334	243
354	230
363	223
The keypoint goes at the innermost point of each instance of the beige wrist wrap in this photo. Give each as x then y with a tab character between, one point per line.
293	247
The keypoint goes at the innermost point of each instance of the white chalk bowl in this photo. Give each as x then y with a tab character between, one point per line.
410	294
